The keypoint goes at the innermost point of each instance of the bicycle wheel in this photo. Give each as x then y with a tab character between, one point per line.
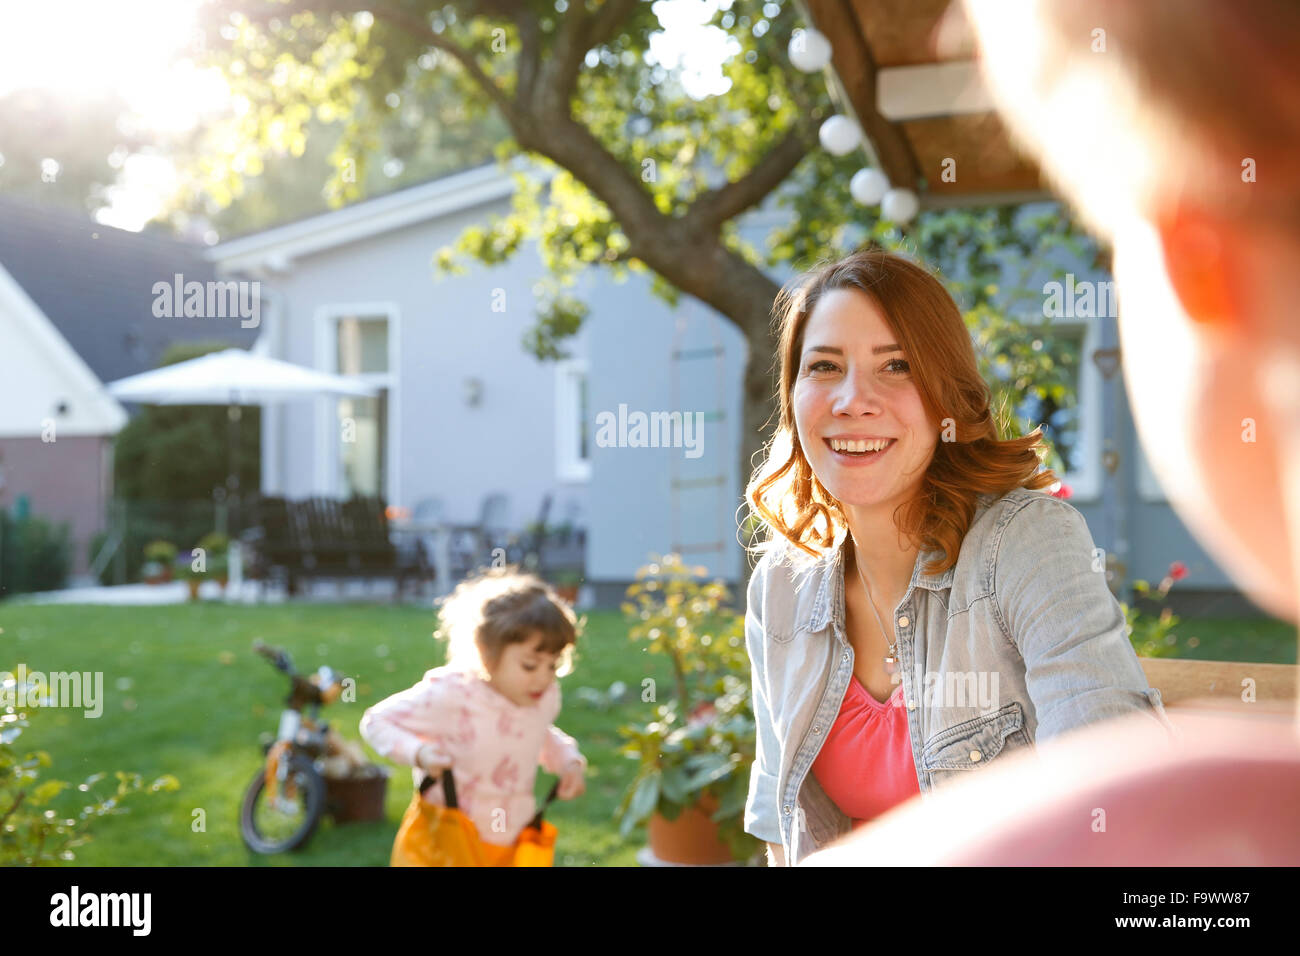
287	822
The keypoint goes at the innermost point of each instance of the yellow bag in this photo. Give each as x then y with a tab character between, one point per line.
432	835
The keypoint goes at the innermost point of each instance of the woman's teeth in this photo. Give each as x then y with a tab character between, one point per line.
860	447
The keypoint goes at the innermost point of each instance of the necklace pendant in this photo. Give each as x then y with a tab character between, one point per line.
891	664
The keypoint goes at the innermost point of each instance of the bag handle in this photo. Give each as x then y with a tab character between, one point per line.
449	795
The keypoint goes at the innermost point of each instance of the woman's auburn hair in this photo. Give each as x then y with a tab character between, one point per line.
970	458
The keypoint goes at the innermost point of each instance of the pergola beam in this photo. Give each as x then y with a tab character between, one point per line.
856	69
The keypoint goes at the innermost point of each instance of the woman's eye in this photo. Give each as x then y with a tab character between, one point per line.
818	366
530	667
903	362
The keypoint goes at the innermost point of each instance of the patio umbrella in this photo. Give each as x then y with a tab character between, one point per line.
232	377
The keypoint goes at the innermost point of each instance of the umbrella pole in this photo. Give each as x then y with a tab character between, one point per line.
233	413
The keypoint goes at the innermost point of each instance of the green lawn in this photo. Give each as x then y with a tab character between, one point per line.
186	695
1256	640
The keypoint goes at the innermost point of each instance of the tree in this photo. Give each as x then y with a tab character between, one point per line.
178	453
63	149
648	178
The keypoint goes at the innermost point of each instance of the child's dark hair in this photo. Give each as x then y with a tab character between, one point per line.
502	606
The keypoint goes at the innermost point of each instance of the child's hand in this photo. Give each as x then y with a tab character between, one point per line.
427	759
572	782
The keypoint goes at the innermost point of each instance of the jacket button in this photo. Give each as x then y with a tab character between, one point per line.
787	808
817	729
911	705
976	755
845	657
902	622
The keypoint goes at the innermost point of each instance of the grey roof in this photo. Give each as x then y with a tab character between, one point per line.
95	283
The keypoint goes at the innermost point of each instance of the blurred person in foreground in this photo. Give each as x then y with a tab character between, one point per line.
1177	137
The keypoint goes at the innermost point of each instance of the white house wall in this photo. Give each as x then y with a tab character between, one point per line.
41	373
448	332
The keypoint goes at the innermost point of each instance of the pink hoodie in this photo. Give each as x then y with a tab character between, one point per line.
493	744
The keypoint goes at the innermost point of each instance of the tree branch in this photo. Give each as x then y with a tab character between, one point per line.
711	210
581	32
420	27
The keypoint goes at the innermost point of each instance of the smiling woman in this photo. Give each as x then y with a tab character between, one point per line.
889	495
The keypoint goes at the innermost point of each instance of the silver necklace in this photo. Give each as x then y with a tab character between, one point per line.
891	658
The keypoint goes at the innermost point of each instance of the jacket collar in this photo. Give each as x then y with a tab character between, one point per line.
830	591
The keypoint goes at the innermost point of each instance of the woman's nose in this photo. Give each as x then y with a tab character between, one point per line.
857	393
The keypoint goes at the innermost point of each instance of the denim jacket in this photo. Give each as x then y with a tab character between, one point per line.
1019	642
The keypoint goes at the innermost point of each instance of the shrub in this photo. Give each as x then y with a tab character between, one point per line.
34	554
32	831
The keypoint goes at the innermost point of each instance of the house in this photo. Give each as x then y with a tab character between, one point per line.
76	311
465	412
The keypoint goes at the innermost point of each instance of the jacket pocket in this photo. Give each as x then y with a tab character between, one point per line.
780	635
975	742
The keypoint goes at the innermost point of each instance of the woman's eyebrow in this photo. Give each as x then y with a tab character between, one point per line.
875	349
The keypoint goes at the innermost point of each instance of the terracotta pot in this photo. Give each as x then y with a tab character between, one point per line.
691	838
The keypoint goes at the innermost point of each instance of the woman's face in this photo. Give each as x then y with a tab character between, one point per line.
855	384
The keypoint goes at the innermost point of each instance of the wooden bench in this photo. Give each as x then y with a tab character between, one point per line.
326	537
1219	685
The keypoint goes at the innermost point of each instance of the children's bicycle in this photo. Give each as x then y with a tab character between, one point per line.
284	802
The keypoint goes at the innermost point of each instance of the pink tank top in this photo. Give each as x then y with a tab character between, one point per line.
866	764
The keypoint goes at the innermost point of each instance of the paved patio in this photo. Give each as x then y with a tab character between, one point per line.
250	592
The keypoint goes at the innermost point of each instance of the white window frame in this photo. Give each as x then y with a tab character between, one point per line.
568	466
1085	483
329	466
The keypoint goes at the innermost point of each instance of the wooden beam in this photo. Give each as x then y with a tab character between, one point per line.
856	69
1183	681
931	89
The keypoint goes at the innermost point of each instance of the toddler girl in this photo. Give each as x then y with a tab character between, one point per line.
487	713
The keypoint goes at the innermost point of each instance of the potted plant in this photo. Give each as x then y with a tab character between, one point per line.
567	584
193	578
219	568
696	749
214	542
216	556
159	557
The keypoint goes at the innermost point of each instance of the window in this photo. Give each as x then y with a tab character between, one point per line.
1075	431
1061	424
572	421
356	451
363	422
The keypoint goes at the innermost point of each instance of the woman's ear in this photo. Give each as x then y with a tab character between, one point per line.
1204	259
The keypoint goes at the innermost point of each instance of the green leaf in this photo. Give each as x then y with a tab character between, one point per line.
643	803
45	792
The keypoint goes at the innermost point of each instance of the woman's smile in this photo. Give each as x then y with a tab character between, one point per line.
858	454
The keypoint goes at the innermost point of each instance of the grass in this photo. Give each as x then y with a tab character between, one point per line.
185	694
1255	640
